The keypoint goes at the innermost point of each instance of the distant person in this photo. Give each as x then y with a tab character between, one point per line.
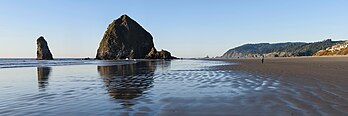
262	59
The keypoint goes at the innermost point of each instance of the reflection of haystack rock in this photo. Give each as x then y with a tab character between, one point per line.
127	81
163	65
43	75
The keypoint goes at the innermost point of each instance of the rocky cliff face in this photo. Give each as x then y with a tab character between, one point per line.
43	52
338	49
125	38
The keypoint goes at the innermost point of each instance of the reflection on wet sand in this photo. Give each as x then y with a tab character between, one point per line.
163	64
129	81
43	74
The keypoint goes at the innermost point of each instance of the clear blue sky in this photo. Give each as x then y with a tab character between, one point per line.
187	28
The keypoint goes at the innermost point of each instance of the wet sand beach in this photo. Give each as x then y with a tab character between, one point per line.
174	87
309	85
329	69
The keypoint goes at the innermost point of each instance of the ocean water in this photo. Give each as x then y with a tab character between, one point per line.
143	87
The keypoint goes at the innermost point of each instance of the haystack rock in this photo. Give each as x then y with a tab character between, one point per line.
125	38
43	52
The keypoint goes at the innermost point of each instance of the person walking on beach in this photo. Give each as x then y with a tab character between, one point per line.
262	59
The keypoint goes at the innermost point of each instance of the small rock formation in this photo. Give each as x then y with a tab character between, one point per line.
125	38
43	52
163	54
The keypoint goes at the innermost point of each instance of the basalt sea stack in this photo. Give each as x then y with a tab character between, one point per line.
43	52
125	38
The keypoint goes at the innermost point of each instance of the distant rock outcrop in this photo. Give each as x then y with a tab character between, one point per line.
43	52
289	49
125	38
338	49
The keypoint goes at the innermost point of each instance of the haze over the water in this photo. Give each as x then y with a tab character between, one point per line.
74	28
